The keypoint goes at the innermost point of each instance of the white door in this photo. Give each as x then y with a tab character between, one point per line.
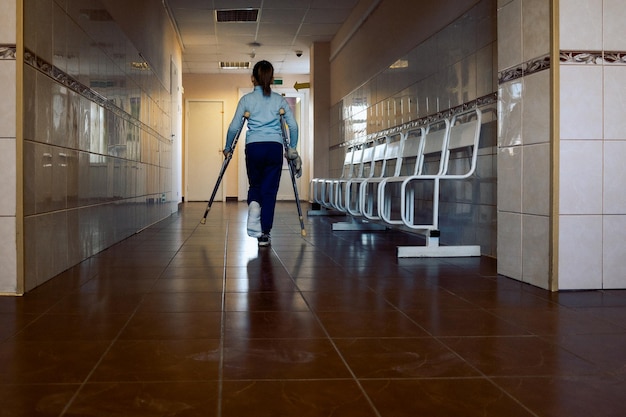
204	140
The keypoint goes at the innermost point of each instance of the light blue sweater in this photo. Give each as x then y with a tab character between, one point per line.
264	121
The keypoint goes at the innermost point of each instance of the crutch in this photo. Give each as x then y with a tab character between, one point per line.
292	169
224	166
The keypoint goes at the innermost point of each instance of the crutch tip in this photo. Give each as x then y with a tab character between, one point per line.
203	221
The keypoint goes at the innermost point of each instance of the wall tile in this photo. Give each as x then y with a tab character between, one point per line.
510	255
536	108
581	102
7	180
580	252
486	77
536	250
580	25
580	181
614	178
7	28
7	103
510	179
614	28
510	35
8	256
536	28
81	150
510	113
536	179
614	252
614	101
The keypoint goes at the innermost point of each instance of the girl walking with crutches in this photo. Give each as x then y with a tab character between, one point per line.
264	148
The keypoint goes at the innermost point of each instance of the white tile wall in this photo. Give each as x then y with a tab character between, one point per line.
580	25
581	177
615	100
614	179
80	196
614	29
580	252
592	229
524	159
581	101
614	252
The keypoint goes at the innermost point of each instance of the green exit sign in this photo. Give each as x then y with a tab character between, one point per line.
278	81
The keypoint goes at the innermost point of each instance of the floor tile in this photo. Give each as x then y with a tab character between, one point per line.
35	400
277	359
185	319
143	399
159	360
419	357
313	398
442	398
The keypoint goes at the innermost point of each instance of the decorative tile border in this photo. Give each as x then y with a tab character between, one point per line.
526	68
7	52
68	81
593	57
486	100
580	57
565	57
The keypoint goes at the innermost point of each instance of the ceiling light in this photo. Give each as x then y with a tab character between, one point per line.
401	63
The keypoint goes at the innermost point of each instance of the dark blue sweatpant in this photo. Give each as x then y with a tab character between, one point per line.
264	163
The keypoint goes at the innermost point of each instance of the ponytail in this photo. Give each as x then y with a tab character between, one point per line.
263	73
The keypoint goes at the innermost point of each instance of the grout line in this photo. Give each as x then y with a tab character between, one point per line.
116	338
330	339
220	368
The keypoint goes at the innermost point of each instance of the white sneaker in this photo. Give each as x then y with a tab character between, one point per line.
254	220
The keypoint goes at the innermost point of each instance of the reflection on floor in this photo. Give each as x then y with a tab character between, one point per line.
185	319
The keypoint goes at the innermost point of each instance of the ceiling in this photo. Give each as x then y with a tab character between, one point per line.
282	30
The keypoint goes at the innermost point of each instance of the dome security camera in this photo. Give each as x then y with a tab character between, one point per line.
298	54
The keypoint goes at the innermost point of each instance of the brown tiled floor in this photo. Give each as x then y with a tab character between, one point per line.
185	319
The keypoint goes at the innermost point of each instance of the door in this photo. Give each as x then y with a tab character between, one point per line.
204	140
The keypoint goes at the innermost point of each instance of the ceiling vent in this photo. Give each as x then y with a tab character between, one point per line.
96	15
234	65
237	15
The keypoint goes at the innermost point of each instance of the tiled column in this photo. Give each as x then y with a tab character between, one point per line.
524	177
561	171
592	201
8	248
